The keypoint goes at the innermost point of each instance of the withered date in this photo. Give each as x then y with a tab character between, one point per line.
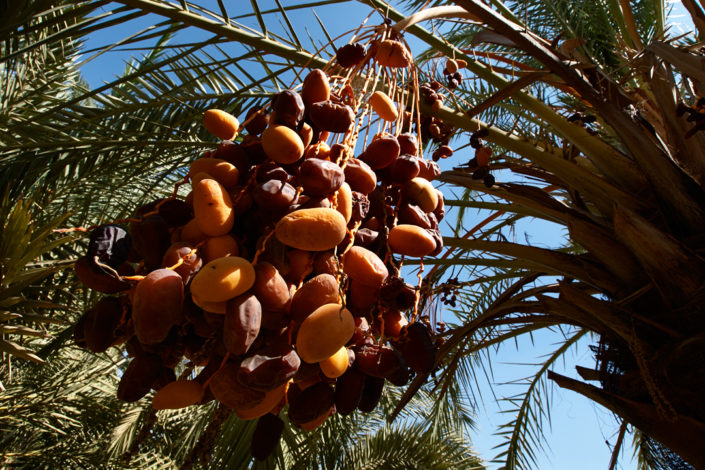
139	377
110	244
266	436
332	117
287	108
243	317
361	206
320	177
428	169
348	391
350	55
268	370
371	393
311	403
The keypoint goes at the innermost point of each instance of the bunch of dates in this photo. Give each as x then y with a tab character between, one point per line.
274	285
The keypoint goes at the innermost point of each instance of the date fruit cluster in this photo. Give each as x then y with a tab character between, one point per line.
274	285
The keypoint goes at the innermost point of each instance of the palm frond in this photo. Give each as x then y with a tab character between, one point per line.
530	409
27	263
60	411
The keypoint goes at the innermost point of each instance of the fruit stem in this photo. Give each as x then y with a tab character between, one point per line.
418	291
187	255
261	248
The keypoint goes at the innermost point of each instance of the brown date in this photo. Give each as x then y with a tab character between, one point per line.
139	376
269	369
360	176
317	291
287	109
320	177
371	393
416	347
270	287
243	316
311	403
266	435
100	323
381	152
348	391
332	117
157	305
228	390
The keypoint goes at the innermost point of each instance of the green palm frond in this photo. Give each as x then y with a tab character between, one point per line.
431	434
61	147
60	412
466	363
402	446
652	455
27	263
530	410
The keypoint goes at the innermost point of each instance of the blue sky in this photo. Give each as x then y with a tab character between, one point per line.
579	429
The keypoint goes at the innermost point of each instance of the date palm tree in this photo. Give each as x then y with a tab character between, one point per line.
588	102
